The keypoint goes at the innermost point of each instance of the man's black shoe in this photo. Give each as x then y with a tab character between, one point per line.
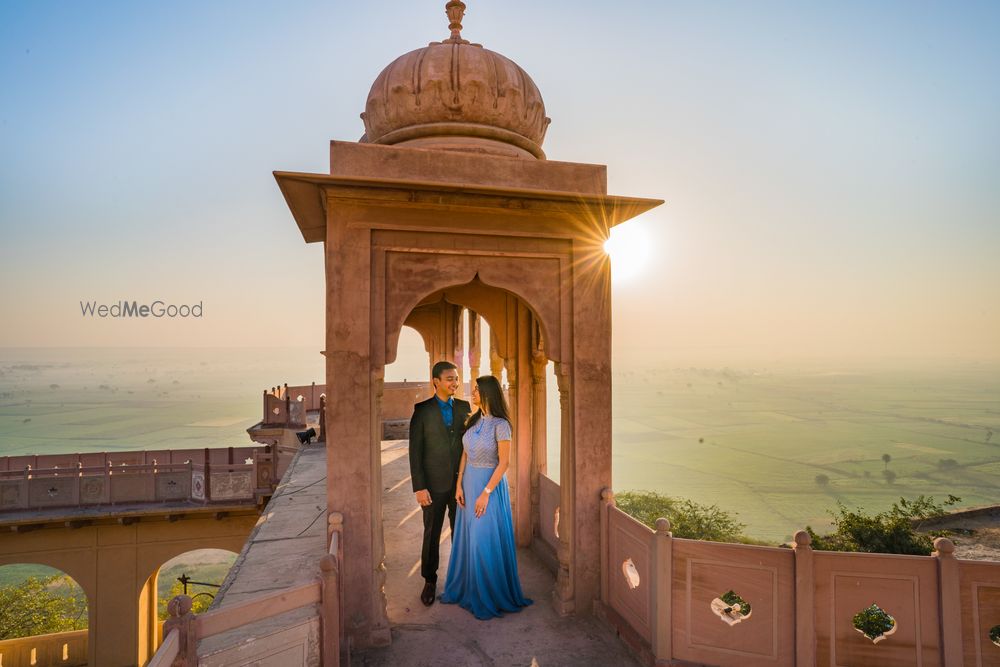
428	594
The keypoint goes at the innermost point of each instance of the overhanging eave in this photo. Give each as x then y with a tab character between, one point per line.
307	194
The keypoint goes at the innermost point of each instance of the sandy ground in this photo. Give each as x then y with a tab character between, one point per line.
975	537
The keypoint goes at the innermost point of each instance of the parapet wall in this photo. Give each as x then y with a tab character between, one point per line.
735	605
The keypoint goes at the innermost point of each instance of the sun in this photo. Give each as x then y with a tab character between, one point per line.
629	249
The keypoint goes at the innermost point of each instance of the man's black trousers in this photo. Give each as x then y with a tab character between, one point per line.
430	556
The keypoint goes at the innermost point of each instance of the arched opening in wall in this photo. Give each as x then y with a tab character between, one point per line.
198	573
483	330
411	359
43	617
553	427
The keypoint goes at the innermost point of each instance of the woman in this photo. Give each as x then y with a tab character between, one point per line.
482	570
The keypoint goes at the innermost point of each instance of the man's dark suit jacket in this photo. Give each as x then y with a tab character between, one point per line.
436	450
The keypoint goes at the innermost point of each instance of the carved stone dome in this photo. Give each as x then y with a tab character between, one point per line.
455	95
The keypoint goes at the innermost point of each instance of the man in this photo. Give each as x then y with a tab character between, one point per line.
435	453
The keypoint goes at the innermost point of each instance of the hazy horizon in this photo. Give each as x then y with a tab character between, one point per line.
752	440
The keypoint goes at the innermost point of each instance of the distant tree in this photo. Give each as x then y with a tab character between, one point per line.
893	531
890	476
885	459
39	606
822	479
687	518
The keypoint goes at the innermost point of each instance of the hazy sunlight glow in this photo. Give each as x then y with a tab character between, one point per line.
629	248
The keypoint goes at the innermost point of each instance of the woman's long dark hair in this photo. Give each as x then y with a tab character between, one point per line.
490	397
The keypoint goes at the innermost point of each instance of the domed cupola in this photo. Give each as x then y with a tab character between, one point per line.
455	95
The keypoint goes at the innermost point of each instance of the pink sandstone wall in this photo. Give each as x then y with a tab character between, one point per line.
665	597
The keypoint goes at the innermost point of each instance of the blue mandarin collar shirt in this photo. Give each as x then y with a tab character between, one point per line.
447	410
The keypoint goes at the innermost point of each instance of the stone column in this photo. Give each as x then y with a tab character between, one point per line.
513	479
456	348
496	361
562	596
590	459
353	457
521	405
539	455
475	346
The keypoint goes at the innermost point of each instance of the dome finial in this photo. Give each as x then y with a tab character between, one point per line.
455	9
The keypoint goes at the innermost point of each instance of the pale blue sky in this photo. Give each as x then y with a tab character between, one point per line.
832	172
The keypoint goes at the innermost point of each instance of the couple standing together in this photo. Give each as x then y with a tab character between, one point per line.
458	461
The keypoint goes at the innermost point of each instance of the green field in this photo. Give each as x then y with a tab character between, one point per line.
55	401
755	443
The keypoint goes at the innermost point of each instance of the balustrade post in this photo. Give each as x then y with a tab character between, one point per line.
330	617
607	502
663	586
333	616
180	618
949	594
805	602
321	437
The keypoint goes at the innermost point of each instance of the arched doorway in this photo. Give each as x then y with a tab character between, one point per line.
450	320
197	573
44	617
483	330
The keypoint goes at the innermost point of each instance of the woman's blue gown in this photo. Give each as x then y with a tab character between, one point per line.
482	570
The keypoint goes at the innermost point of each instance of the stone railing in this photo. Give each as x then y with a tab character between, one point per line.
67	649
286	405
135	457
203	477
183	630
712	603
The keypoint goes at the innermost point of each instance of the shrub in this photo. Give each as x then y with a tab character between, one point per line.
41	605
822	479
687	518
891	532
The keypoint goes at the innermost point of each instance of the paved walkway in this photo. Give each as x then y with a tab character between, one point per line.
448	635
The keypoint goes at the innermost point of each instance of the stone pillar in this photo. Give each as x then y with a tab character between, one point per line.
539	455
496	361
378	541
353	455
475	346
562	595
520	393
589	457
148	620
456	348
116	632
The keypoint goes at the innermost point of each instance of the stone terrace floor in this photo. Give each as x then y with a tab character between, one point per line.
448	635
